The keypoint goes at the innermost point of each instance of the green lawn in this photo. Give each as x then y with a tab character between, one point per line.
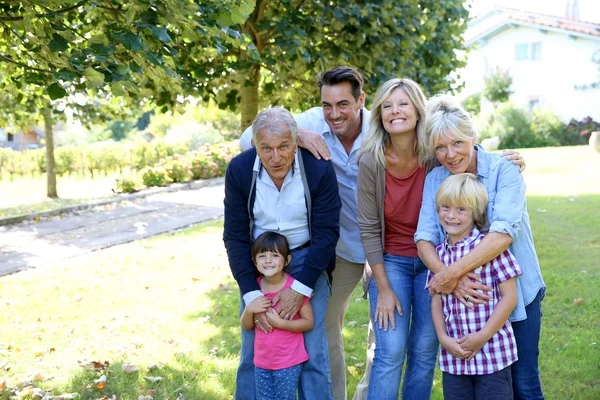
170	301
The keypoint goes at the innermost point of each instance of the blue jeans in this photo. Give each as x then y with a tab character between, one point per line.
413	338
315	380
525	373
279	384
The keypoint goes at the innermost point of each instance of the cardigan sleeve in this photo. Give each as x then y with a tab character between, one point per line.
236	232
368	211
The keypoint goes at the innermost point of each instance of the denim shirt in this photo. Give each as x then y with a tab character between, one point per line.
349	247
506	212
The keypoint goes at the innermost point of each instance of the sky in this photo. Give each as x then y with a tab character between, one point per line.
589	10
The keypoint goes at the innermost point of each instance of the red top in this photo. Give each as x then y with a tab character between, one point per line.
402	204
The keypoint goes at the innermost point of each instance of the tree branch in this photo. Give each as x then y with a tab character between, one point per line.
61	11
7	58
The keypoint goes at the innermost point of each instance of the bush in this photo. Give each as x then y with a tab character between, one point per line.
178	168
125	185
472	103
155	176
577	132
497	86
514	128
546	126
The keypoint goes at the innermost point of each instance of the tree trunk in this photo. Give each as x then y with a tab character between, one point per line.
50	161
249	97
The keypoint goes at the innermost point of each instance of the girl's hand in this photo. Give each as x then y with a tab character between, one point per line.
387	302
473	342
273	318
259	305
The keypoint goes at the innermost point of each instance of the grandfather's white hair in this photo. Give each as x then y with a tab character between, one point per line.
275	120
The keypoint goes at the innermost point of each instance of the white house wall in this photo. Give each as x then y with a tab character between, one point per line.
565	62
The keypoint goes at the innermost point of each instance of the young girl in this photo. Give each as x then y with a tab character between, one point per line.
278	355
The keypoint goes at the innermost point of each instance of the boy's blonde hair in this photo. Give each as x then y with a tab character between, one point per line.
466	191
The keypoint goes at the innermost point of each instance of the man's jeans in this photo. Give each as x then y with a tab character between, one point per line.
525	373
414	337
315	381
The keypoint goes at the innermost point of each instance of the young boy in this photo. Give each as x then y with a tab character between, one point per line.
478	344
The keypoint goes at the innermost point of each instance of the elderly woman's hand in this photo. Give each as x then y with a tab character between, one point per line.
469	291
387	302
289	303
443	282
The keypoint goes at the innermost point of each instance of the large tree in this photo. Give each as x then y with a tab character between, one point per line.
98	58
285	43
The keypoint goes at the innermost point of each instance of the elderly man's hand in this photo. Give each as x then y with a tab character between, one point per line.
314	143
289	303
261	322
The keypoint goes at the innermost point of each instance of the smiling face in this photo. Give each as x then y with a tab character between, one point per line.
270	263
457	221
341	109
456	155
398	113
276	152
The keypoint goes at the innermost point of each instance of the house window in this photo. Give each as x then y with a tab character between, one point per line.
536	51
532	105
521	51
10	137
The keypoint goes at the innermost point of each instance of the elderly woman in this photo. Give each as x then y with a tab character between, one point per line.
392	172
452	138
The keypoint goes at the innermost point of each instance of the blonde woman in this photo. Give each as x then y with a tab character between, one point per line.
392	170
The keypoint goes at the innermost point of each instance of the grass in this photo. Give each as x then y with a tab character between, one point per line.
170	301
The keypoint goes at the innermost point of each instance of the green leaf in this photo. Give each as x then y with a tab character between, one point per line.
128	39
237	17
55	91
117	89
65	75
154	58
95	78
161	34
123	69
58	43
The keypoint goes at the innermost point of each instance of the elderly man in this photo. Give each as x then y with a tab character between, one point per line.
335	131
275	187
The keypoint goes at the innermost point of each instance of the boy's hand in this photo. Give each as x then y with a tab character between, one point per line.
273	318
259	305
453	347
472	343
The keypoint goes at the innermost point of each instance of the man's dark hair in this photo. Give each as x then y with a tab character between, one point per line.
271	241
341	74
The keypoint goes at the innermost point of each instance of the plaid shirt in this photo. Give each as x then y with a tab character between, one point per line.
501	350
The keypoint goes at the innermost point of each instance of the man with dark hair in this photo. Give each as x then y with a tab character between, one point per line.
334	131
276	187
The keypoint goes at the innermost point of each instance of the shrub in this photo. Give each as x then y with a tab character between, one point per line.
546	126
178	168
155	176
577	132
126	185
202	165
497	86
472	103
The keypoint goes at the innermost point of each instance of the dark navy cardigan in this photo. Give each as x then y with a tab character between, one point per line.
325	215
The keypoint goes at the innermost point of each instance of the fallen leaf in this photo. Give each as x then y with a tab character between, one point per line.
194	279
214	350
142	397
2	386
151	392
154	379
130	368
360	364
577	301
152	367
351	323
353	371
95	365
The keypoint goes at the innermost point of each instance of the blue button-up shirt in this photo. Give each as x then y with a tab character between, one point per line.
506	212
349	246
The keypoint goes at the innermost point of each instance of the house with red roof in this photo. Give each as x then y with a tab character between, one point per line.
552	60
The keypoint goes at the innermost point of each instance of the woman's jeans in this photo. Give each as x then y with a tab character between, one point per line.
315	379
525	373
413	338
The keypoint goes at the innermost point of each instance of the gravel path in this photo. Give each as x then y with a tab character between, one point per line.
35	244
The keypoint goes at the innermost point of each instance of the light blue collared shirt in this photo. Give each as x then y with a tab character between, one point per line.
506	212
349	246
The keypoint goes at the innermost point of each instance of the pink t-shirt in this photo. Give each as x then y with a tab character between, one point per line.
280	348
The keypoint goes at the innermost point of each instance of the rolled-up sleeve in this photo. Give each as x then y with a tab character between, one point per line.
508	200
428	228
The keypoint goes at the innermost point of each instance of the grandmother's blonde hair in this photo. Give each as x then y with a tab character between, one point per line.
464	190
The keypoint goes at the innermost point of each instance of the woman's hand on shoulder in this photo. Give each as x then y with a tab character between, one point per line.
515	157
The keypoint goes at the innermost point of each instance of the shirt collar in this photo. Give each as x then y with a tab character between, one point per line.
483	167
466	242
